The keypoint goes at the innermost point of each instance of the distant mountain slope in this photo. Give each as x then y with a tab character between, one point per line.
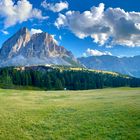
124	65
23	49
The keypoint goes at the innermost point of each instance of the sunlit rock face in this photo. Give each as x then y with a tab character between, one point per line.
12	46
23	49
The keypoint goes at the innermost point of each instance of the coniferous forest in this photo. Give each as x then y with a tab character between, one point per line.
57	79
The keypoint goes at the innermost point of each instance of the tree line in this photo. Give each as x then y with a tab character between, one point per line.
55	79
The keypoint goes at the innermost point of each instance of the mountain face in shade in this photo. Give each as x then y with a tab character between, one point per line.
23	49
124	65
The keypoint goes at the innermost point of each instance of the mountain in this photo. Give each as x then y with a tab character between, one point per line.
124	65
24	49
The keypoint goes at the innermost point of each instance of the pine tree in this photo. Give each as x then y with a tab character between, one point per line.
58	85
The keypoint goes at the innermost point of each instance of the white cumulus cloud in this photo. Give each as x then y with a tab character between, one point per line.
112	26
19	12
34	31
91	52
55	7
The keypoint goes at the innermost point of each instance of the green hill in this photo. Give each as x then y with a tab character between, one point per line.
62	77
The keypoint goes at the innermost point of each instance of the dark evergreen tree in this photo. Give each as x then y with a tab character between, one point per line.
60	79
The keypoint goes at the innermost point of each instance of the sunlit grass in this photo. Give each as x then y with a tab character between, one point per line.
106	114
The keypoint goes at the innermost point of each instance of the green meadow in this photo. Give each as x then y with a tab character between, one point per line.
103	114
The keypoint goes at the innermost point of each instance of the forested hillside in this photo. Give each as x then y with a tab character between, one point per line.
57	79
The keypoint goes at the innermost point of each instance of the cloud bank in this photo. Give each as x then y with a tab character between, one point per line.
91	52
110	27
55	7
17	13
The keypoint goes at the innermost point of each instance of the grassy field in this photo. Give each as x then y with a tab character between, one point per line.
106	114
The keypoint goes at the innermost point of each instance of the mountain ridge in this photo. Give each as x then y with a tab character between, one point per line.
25	49
124	65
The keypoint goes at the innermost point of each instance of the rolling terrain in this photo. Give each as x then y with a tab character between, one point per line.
70	115
61	77
26	49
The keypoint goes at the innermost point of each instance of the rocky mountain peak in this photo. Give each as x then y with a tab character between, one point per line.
38	49
23	30
11	47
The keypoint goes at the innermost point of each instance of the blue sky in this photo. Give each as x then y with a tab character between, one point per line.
102	30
